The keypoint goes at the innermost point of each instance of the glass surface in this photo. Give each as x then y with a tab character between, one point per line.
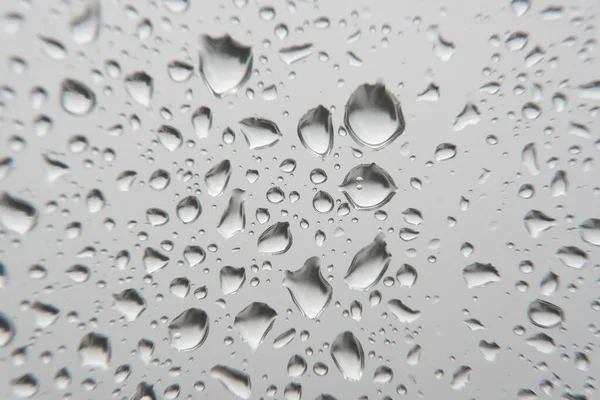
299	200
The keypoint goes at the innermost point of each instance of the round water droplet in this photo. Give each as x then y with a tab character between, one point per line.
76	98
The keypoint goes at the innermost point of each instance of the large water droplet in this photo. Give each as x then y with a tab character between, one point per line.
260	133
129	303
86	25
404	313
368	186
202	121
309	290
254	323
154	260
17	214
322	202
373	116
315	131
537	222
572	256
368	265
293	54
76	98
94	350
189	329
406	275
276	239
348	356
231	279
544	314
225	64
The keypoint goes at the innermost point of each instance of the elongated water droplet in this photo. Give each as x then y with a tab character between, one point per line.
16	214
549	284
309	290
368	187
85	27
368	265
529	158
373	116
254	323
559	184
277	239
348	356
285	338
225	64
461	377
404	313
315	131
233	219
295	53
235	381
479	275
260	133
572	256
202	121
76	98
217	178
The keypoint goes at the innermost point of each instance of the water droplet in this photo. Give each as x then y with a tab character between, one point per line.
373	116
368	265
180	71
276	239
529	158
95	201
53	48
544	314
383	375
231	279
140	86
129	303
217	178
7	330
590	231
189	209
549	284
315	131
17	215
154	260
235	381
176	6
480	275
322	202
468	116
520	7
233	219
24	386
445	151
225	64
559	184
406	275
295	53
202	121
309	290
189	330
194	255
94	350
76	98
260	133
516	41
404	313
368	186
85	27
461	377
254	323
572	256
348	356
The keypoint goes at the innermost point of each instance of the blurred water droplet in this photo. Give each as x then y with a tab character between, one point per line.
76	98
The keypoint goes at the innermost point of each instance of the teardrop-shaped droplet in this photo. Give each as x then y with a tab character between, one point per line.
233	220
231	279
368	265
260	133
154	260
95	201
217	178
322	202
140	86
373	116
315	131
254	323
276	239
194	255
76	98
309	290
559	184
406	275
16	214
189	329
189	209
86	25
202	121
544	314
235	381
225	64
348	355
368	186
